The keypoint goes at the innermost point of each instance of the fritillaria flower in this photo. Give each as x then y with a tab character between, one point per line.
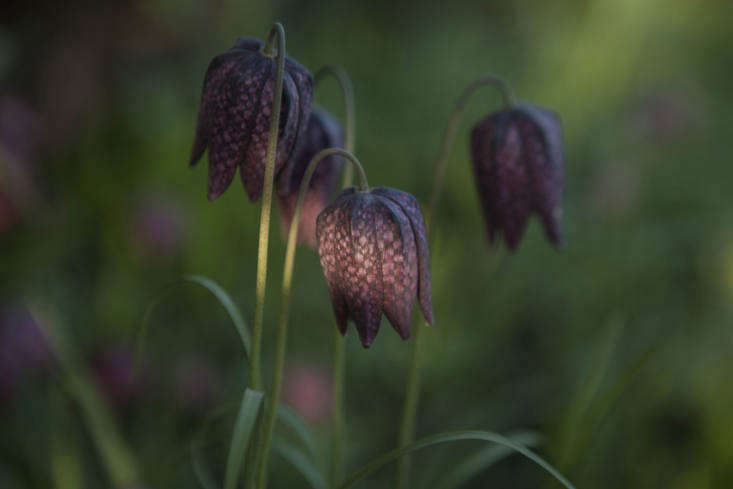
234	117
519	168
374	253
322	132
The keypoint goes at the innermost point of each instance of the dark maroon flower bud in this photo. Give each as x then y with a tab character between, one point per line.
234	117
374	254
322	132
518	162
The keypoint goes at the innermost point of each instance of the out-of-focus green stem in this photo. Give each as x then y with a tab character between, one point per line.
339	345
412	389
117	458
282	330
277	33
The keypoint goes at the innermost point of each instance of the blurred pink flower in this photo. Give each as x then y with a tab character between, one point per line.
19	135
614	189
113	369
158	227
7	215
307	389
668	114
197	385
23	348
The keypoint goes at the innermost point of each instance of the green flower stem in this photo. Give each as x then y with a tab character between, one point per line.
339	424
412	389
282	330
347	91
339	345
277	33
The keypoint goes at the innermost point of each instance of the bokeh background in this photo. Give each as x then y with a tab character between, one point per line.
617	349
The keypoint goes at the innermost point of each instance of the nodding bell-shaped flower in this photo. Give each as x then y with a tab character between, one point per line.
374	253
322	132
518	162
234	117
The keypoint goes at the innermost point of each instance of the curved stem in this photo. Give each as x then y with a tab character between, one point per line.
282	330
450	133
347	90
449	437
412	389
339	345
276	33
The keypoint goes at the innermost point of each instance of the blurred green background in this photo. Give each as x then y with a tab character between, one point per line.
617	349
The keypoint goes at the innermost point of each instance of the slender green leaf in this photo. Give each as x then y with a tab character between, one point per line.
300	461
200	467
221	295
243	428
393	455
299	426
228	304
482	460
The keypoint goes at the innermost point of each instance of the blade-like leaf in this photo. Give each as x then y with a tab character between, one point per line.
299	426
393	455
243	428
300	461
228	304
217	290
200	467
482	460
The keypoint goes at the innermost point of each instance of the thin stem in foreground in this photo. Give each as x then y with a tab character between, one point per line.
277	33
339	345
282	330
412	389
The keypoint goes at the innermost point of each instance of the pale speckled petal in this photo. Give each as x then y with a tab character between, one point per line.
411	208
398	257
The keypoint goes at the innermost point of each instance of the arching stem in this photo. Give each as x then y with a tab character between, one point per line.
282	330
412	389
277	33
339	345
347	90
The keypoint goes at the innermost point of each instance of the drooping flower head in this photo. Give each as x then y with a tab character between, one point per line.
518	162
234	117
322	131
374	253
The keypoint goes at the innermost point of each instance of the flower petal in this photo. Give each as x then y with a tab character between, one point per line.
411	208
329	229
234	104
398	257
364	289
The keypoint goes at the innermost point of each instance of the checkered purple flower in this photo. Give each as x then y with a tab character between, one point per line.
234	117
322	132
518	162
374	253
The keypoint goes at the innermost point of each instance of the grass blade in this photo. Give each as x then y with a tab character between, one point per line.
243	428
299	426
226	301
200	468
217	291
482	460
395	454
301	462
